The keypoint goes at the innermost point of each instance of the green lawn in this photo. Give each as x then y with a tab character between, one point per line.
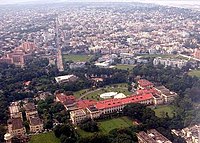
124	67
77	58
194	73
160	110
116	123
120	88
44	138
106	126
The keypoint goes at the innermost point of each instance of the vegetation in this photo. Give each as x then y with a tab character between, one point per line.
194	73
161	111
125	67
94	93
44	138
116	123
89	126
76	58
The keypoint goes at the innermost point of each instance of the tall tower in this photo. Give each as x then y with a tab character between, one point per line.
59	51
199	134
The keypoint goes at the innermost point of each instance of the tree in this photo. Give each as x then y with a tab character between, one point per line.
48	124
89	126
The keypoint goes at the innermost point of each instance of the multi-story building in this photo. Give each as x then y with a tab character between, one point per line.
20	55
167	95
77	116
36	125
30	110
152	136
170	62
15	127
145	84
14	112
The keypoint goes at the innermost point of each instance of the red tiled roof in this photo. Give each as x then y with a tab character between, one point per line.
85	103
144	83
123	101
64	98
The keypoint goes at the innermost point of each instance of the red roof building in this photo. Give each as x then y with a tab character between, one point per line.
145	84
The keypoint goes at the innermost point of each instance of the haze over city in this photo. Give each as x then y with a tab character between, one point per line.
99	71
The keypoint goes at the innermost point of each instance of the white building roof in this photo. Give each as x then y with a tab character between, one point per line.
120	95
108	94
65	77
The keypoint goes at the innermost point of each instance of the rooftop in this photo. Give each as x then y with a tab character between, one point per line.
30	107
145	83
16	123
123	101
34	121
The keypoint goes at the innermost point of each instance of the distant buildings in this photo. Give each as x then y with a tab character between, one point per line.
170	62
20	55
77	65
197	53
151	136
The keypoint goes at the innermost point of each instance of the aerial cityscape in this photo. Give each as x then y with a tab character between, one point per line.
99	72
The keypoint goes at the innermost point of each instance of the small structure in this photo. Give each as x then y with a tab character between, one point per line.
66	78
8	138
108	95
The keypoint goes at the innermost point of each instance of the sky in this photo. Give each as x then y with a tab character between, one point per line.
163	2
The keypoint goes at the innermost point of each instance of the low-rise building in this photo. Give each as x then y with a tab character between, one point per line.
190	134
167	95
152	136
66	78
170	62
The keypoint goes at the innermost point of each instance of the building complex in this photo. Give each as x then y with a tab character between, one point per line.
147	94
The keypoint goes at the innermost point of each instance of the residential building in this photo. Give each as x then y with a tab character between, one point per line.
15	127
30	110
14	112
170	62
36	125
190	134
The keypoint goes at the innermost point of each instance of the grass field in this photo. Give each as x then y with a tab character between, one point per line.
44	138
121	88
125	67
194	73
76	58
160	110
106	126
